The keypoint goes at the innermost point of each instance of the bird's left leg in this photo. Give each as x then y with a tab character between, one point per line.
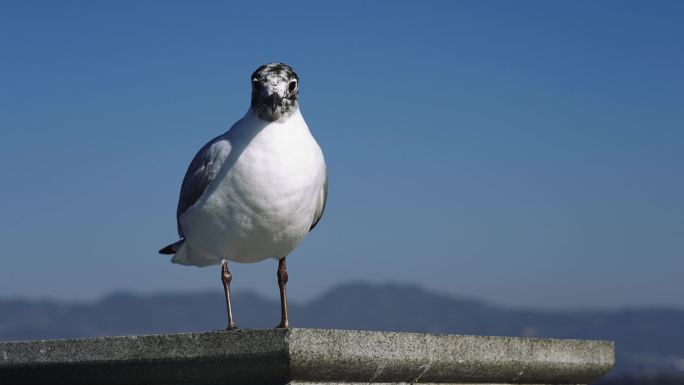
282	281
227	278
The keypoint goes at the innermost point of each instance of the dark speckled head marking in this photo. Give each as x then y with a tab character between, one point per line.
275	88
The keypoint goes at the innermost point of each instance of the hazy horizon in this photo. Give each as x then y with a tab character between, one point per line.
299	300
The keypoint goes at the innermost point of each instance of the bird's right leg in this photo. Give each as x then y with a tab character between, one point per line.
282	281
227	277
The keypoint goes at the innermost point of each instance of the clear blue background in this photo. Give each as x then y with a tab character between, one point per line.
527	153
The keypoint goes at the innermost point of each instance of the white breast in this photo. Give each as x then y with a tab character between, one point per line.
263	200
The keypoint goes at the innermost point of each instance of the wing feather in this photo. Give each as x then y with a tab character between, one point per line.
320	206
202	171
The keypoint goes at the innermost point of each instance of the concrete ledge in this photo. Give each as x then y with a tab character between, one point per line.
304	356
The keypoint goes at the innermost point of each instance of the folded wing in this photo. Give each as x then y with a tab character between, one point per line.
320	206
202	171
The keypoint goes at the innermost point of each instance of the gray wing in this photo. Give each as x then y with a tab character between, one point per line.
320	206
201	172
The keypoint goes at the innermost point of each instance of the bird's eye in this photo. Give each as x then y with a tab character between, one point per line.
255	82
293	85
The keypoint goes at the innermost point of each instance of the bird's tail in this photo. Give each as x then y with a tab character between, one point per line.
185	256
172	248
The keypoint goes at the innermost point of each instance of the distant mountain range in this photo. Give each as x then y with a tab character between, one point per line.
649	342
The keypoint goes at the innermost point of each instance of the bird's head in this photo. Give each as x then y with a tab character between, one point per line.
275	90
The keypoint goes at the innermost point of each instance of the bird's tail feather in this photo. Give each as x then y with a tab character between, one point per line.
172	248
185	255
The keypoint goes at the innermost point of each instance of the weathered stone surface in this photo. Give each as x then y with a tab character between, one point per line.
304	356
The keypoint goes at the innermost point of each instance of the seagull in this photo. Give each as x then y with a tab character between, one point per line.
255	191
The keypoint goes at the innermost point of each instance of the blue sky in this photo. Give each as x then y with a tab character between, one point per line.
526	153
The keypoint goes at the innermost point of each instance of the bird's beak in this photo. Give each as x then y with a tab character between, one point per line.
274	101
